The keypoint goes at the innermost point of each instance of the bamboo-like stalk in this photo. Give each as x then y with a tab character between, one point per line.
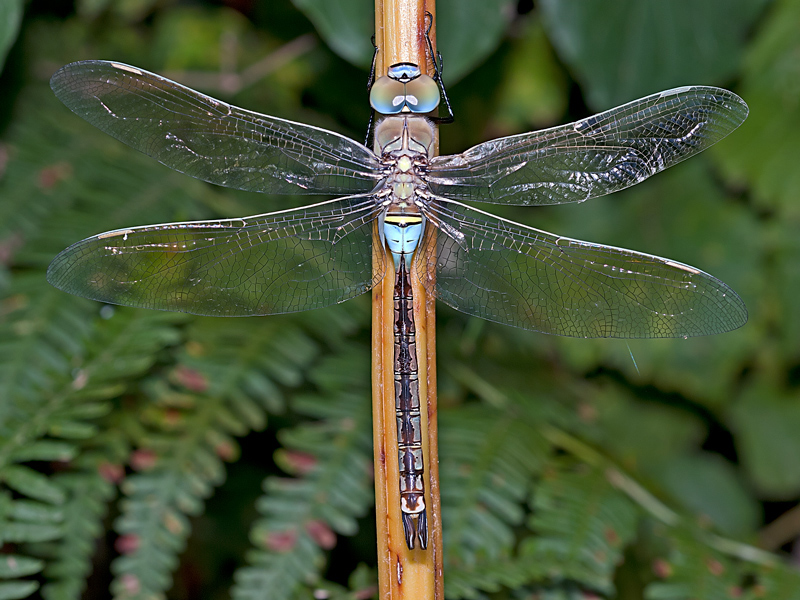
403	573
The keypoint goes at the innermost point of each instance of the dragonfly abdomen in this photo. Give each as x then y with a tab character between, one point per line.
407	407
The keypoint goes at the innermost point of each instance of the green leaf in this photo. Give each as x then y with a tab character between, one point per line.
780	300
708	485
127	10
10	20
91	8
640	435
346	26
32	484
48	450
467	30
86	410
11	590
765	422
73	430
533	92
12	565
655	45
279	575
35	511
768	149
188	37
29	532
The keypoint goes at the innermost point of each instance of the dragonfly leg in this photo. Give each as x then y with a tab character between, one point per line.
371	125
368	141
438	66
371	79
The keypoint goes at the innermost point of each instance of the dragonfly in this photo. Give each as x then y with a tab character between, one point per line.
410	204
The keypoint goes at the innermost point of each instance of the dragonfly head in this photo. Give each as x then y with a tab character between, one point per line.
404	89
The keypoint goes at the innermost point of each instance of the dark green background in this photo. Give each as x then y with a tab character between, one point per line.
646	469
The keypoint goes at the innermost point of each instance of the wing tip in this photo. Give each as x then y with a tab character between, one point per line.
68	71
741	315
735	106
57	270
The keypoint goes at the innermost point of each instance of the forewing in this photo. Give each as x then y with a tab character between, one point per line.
276	263
515	275
592	157
211	140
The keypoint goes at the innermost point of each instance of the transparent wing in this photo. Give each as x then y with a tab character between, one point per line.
592	157
512	274
281	262
211	140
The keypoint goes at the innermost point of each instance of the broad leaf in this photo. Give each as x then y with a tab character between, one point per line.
468	30
10	19
629	48
765	424
767	151
708	486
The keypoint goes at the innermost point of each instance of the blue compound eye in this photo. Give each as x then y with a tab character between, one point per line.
387	96
422	94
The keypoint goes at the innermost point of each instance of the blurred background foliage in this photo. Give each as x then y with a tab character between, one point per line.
162	455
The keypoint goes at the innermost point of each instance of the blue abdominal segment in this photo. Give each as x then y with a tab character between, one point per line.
402	233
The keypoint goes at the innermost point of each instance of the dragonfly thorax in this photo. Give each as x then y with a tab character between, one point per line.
410	135
405	143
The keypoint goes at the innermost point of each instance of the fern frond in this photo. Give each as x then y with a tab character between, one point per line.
779	582
70	558
334	486
220	388
695	569
487	461
362	584
38	169
60	364
39	332
154	524
247	361
487	576
581	525
565	591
